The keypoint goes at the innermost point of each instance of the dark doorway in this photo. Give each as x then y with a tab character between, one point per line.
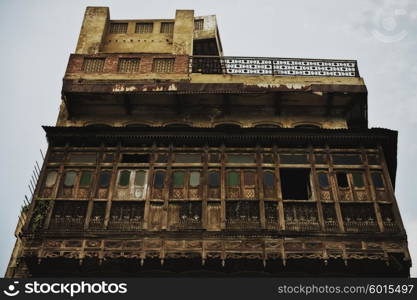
295	184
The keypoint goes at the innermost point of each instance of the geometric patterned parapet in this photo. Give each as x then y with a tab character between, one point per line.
273	66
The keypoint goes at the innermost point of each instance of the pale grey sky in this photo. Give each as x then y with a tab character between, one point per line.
37	37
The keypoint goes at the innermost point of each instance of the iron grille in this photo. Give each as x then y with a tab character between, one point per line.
128	65
273	66
93	65
163	65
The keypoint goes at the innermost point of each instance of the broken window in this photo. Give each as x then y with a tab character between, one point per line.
295	184
342	180
323	180
144	28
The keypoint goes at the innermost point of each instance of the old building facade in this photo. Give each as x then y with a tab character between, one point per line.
170	159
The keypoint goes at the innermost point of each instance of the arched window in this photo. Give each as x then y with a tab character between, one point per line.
307	126
267	125
178	125
227	126
98	125
137	125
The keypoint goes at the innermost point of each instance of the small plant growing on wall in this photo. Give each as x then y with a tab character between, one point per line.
39	215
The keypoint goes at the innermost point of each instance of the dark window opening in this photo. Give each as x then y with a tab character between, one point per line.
214	179
358	180
377	180
124	178
135	158
342	180
86	178
323	180
104	179
178	179
269	179
159	179
295	184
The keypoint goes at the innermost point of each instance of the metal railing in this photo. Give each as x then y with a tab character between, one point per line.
273	66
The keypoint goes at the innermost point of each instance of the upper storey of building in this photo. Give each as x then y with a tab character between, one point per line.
184	35
172	71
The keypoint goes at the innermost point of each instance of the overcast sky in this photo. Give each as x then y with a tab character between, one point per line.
38	36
